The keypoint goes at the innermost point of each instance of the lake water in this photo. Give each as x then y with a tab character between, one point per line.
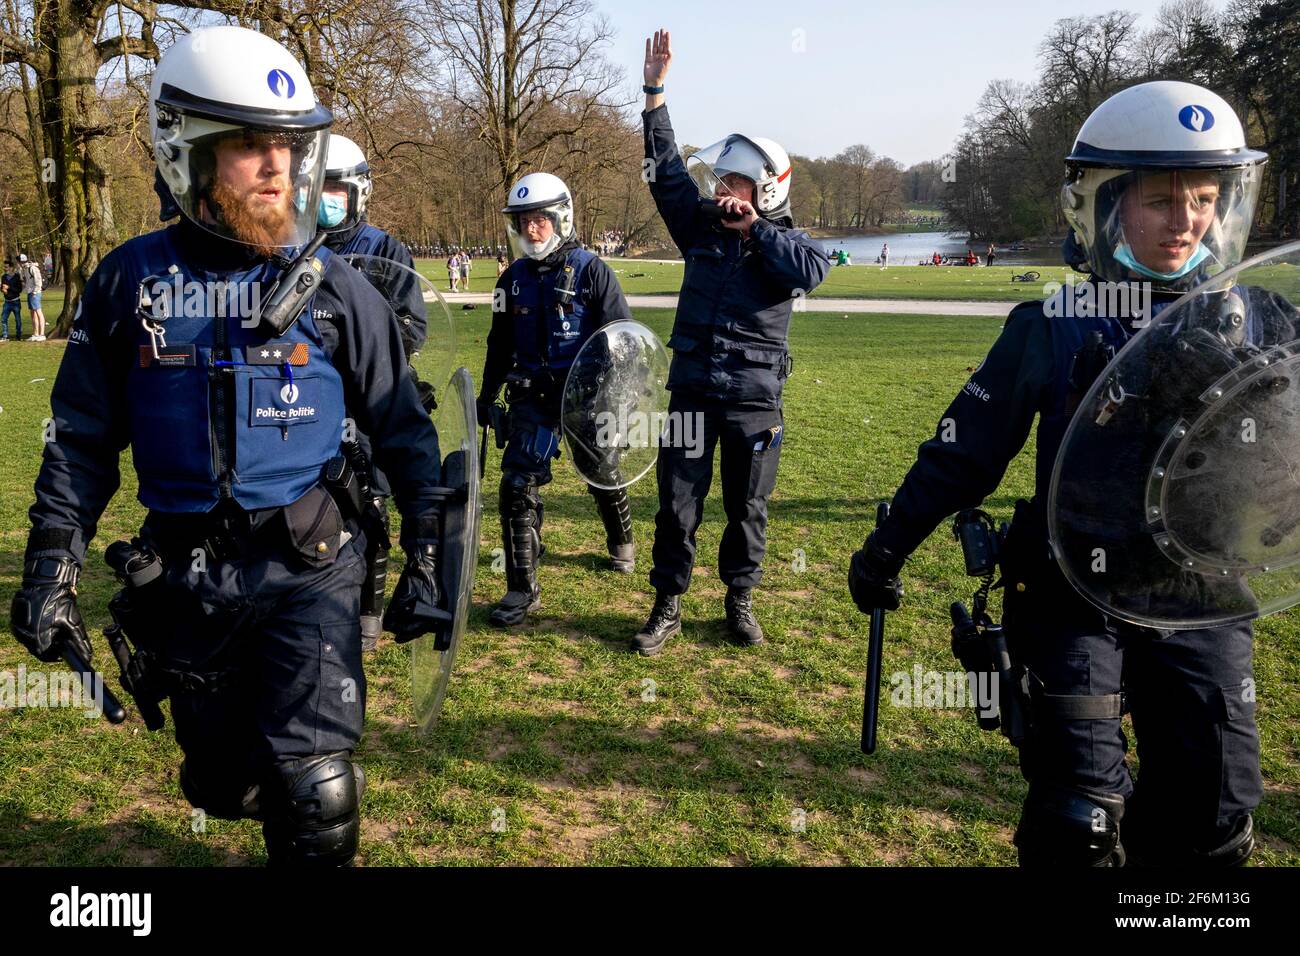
907	248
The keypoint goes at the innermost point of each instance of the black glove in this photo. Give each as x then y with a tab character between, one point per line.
44	614
428	399
407	330
873	577
413	610
483	408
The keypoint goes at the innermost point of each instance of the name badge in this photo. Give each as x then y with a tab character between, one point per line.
169	356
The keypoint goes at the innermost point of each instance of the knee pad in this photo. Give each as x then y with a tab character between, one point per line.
317	820
1068	826
223	797
518	495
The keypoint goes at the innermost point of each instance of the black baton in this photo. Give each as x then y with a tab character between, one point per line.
113	709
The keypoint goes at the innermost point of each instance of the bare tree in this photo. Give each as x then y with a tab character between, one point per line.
509	66
1084	59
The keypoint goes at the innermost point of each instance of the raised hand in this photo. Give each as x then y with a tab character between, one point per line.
658	54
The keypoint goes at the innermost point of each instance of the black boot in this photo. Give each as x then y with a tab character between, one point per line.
665	620
519	530
741	623
616	515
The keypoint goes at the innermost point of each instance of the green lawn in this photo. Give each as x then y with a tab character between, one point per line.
979	284
553	730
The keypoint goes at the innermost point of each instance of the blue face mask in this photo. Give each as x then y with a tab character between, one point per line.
1124	256
332	210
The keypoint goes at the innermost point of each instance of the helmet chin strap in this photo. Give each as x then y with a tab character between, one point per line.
1124	256
539	250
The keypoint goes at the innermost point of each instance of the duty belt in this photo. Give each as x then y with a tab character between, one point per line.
174	681
228	537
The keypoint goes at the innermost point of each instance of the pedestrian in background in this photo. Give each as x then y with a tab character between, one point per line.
34	282
11	286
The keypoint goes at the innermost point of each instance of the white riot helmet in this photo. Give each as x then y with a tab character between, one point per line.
762	161
545	193
1143	164
347	185
226	83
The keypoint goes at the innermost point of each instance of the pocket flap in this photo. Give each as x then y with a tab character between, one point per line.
315	527
771	357
1239	700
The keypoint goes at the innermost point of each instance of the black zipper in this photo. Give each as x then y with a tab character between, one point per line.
220	433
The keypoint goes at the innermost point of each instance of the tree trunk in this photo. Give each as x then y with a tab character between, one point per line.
73	120
39	151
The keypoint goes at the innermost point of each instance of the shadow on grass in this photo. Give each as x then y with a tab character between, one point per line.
139	841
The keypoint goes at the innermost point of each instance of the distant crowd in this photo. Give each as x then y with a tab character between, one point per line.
841	257
438	250
609	243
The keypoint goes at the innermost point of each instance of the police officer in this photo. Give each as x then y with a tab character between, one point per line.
730	351
343	209
1160	190
545	306
234	416
343	202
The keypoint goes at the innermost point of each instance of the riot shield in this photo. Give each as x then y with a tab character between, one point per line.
433	655
422	313
615	405
1175	498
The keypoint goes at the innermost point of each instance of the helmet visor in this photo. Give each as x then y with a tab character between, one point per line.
1172	227
709	170
259	187
521	241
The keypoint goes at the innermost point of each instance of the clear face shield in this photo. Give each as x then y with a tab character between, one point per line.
340	199
709	170
1174	228
258	187
546	226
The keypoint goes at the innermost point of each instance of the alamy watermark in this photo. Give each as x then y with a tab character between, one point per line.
1095	298
945	690
628	428
174	296
133	911
63	689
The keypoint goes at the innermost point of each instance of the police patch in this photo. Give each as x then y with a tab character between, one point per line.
280	403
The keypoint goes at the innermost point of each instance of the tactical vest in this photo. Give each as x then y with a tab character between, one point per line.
224	412
549	333
1073	374
730	335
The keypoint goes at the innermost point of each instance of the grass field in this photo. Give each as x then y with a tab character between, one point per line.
979	284
558	746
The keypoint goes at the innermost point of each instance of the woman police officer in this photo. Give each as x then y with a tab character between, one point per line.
1160	191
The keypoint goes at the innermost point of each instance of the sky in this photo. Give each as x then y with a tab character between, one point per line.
900	77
